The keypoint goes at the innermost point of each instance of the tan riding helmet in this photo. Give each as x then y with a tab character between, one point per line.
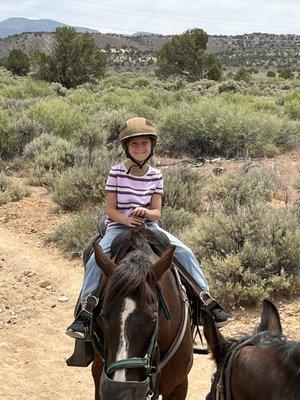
137	127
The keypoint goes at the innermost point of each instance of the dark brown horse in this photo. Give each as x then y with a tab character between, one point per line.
264	366
131	324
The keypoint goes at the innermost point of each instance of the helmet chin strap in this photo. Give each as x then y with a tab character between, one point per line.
136	163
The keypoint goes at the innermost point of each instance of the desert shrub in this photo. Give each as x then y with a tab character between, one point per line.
139	83
74	235
175	220
243	74
241	189
247	253
213	127
57	117
9	191
183	188
52	158
6	142
90	137
81	185
40	144
286	73
111	122
18	105
18	133
291	104
228	86
24	88
75	187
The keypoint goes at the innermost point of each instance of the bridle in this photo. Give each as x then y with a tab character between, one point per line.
151	363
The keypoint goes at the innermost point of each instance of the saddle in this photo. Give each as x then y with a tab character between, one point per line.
84	349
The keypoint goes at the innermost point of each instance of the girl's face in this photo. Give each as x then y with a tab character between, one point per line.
139	148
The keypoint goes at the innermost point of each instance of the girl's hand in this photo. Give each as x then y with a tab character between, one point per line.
134	221
139	212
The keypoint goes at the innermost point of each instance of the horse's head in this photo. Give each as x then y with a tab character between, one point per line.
129	310
263	366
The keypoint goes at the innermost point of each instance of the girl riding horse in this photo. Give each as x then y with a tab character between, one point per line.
134	197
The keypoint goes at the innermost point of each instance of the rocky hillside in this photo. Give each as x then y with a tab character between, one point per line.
257	50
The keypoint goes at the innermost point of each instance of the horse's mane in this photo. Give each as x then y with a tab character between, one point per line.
132	273
288	351
290	355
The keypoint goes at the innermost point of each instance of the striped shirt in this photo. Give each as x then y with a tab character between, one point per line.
132	190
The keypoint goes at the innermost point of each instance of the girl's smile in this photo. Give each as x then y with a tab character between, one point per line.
140	147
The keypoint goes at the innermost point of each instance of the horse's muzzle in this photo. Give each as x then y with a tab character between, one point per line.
128	390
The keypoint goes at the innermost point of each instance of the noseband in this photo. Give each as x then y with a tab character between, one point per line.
136	389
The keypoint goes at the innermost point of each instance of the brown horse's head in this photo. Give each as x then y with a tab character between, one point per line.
129	307
266	368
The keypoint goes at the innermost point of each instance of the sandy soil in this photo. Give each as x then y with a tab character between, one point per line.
38	291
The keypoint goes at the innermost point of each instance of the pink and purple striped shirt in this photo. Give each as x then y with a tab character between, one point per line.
132	190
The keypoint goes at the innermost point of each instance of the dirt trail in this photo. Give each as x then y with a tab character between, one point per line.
34	277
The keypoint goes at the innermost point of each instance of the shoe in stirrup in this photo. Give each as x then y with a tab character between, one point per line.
81	328
221	317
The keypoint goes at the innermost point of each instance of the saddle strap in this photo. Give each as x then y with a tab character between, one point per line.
183	324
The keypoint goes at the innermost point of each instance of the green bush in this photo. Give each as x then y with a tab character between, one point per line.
74	235
183	189
291	104
247	253
213	127
6	142
176	221
18	134
52	158
241	189
23	88
243	74
228	86
79	186
58	117
9	191
17	62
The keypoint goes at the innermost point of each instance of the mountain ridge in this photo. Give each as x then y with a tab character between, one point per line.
18	25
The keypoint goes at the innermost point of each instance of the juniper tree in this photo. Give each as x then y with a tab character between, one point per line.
17	62
74	60
184	55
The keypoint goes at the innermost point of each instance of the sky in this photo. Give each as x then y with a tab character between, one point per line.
222	17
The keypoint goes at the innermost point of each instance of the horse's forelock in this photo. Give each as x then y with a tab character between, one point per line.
132	273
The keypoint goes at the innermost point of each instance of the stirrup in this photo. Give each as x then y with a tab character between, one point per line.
208	302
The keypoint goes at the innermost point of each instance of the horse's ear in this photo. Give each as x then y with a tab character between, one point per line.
270	320
217	344
164	263
104	262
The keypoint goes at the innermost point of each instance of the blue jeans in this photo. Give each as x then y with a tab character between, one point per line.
183	253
